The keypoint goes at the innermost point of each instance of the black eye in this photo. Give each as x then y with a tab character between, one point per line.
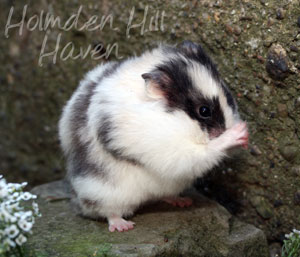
205	112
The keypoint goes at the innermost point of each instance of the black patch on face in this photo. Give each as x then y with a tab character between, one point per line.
104	135
230	100
77	159
196	53
180	93
217	120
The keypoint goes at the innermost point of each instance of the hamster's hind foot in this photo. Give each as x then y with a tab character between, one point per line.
119	224
179	201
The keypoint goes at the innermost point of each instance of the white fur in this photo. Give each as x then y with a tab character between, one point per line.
171	147
204	81
64	123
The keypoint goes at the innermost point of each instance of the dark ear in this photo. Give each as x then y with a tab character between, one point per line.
189	47
155	83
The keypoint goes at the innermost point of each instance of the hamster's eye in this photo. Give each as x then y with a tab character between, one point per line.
205	112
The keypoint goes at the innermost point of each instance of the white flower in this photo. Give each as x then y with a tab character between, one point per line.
3	188
19	214
15	195
12	231
26	196
3	192
16	219
296	231
21	239
9	242
10	190
12	207
35	207
26	215
15	186
288	236
25	225
6	215
24	184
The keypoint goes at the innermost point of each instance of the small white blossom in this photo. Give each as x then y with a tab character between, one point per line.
289	235
10	189
26	196
16	220
15	196
296	231
9	242
35	207
25	225
27	216
291	245
21	239
15	186
12	207
24	184
19	214
3	191
3	187
12	231
6	215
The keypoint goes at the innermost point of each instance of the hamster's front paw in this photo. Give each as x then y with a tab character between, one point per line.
178	201
117	223
236	136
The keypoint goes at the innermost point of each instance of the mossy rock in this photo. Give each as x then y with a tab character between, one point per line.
205	229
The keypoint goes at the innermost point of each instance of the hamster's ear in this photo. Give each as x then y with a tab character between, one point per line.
155	83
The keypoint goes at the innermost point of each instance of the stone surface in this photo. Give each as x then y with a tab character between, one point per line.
263	208
289	152
205	229
277	62
275	250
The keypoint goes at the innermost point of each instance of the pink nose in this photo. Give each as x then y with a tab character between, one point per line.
215	133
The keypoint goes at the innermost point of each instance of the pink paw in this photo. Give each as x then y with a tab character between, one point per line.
179	201
236	136
119	224
241	134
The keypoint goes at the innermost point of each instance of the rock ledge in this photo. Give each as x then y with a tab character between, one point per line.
206	229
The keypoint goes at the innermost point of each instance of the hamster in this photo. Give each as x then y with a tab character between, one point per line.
144	129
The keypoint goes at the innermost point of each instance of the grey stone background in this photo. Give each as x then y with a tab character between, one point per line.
255	44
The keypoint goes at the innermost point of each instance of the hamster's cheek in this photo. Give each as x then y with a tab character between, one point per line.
202	138
215	132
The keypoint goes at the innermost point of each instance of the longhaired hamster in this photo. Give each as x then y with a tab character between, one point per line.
144	129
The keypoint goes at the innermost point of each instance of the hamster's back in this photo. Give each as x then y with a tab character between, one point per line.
74	115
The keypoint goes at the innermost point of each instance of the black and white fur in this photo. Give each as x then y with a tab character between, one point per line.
132	131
